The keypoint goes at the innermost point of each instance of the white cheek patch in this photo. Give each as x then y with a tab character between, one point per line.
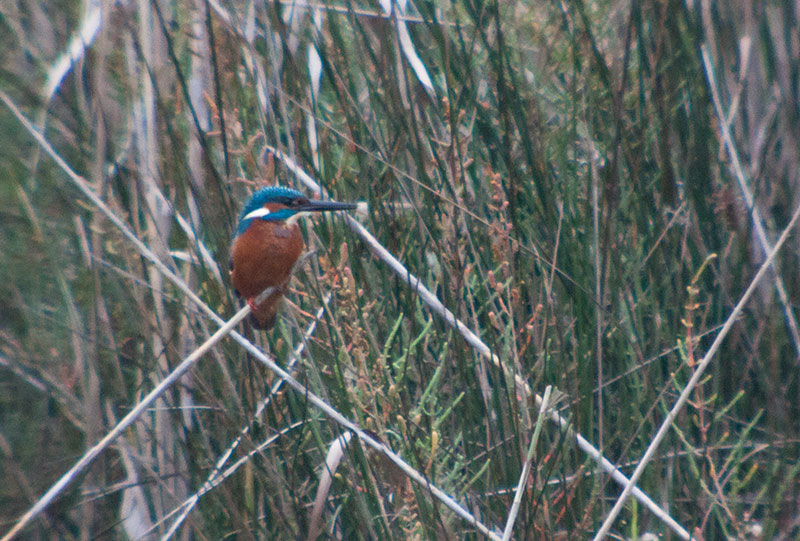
258	213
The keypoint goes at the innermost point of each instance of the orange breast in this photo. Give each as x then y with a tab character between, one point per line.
263	256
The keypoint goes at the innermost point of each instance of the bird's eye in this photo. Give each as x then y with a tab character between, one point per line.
299	201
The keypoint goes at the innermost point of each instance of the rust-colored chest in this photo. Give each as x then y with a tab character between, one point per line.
263	256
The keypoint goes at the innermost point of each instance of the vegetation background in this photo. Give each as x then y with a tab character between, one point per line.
556	173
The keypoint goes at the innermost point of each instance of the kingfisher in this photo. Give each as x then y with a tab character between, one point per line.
267	245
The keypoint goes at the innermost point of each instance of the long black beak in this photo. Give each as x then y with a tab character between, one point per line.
322	206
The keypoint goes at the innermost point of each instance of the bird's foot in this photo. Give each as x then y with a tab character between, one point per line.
261	297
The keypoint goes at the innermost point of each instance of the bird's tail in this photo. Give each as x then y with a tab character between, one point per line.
265	315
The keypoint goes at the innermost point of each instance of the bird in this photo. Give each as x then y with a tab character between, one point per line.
267	245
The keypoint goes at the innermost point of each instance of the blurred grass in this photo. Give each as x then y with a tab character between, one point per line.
484	192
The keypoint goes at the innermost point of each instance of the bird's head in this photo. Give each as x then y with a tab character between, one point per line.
281	204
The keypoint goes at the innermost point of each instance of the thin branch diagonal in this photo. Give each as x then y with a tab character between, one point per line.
526	469
214	480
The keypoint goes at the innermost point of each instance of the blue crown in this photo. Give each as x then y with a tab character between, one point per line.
270	194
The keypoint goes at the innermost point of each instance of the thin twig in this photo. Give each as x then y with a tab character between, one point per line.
526	468
214	481
90	27
598	293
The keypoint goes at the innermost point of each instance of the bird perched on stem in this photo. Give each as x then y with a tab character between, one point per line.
268	244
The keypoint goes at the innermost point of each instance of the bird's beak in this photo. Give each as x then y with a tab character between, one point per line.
322	206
